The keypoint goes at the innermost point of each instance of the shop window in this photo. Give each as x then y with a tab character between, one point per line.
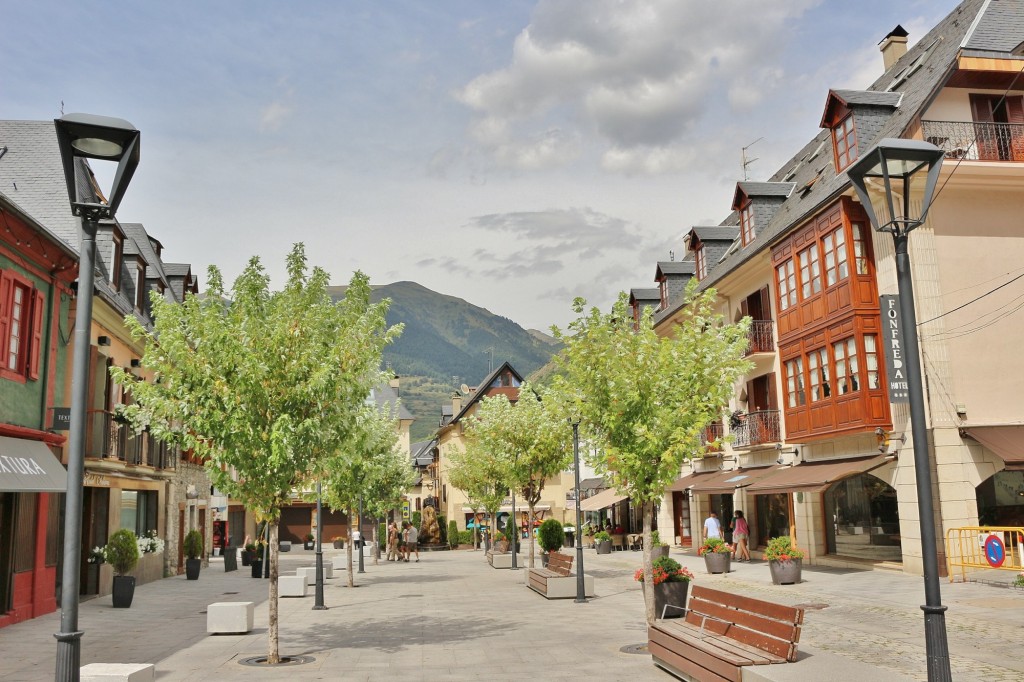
862	519
795	393
773	519
810	271
139	510
1001	499
786	284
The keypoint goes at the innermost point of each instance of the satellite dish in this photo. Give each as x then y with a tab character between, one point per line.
465	389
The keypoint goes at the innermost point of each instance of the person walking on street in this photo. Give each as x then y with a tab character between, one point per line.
410	545
712	527
740	535
392	542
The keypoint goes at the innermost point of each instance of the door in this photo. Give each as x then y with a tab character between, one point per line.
999	133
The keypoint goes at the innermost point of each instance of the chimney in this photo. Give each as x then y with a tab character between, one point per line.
893	46
456	403
395	384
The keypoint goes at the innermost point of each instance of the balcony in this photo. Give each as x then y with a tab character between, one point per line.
976	141
761	337
107	439
712	433
756	428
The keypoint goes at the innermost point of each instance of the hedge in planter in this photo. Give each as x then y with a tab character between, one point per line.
122	553
550	537
193	547
603	542
453	534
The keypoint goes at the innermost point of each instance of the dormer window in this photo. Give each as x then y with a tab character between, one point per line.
663	291
702	263
115	260
747	232
844	138
140	285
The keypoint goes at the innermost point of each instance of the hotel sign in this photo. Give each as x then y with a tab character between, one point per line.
892	345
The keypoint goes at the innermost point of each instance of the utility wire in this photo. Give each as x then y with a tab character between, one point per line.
961	307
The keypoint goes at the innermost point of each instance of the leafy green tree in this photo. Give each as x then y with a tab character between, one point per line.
369	468
480	474
531	439
645	399
260	384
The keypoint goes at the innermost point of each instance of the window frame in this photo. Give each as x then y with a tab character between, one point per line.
839	254
32	309
786	286
796	384
748	228
844	142
810	272
701	263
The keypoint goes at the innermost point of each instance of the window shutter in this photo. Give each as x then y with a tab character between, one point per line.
5	316
36	349
1015	115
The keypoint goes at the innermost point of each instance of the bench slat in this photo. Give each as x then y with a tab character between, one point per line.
560	563
687	632
753	621
768	609
695	662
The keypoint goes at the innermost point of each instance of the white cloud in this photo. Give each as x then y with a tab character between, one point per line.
274	115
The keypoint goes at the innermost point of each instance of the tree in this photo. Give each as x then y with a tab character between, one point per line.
646	399
259	384
479	474
369	467
530	437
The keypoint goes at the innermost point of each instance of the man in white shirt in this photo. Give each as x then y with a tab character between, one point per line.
712	527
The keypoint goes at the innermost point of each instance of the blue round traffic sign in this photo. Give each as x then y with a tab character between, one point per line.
995	551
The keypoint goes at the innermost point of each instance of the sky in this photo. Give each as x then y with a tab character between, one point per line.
513	153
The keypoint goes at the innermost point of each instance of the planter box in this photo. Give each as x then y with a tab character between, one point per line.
786	572
192	567
660	550
604	547
717	562
124	591
671	594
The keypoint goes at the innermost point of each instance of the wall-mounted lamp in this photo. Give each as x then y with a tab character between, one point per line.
103	341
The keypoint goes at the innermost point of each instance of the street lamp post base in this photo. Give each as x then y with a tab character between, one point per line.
69	655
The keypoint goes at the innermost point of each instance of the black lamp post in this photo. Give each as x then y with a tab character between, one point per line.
318	599
515	529
362	541
581	590
84	136
910	169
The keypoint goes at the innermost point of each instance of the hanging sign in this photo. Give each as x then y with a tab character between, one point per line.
892	346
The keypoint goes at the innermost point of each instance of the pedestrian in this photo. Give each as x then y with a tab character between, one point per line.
410	545
712	527
740	534
403	554
392	542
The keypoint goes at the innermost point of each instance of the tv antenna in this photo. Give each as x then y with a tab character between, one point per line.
747	162
490	361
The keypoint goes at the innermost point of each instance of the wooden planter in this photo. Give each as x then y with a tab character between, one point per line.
673	594
786	572
717	562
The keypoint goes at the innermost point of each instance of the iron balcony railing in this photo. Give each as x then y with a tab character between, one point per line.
107	438
755	428
976	141
762	338
712	433
98	432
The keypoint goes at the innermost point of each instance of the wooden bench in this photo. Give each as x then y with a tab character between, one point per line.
722	633
557	581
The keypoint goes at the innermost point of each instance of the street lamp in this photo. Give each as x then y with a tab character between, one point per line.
581	591
362	541
909	169
84	136
318	599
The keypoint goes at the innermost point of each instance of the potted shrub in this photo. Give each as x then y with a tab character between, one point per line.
658	548
193	553
603	542
512	537
453	535
338	542
784	560
257	560
550	537
671	583
122	553
308	542
717	555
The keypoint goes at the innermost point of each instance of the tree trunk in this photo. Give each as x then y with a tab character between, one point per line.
348	548
648	508
273	655
529	533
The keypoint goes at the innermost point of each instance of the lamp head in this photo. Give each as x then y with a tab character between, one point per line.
88	136
908	169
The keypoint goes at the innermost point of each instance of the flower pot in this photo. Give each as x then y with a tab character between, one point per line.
192	567
717	562
673	594
604	547
124	591
659	550
257	568
246	557
308	544
339	544
786	572
230	559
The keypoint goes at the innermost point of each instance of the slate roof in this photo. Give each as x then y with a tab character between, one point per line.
644	294
482	387
716	234
676	267
999	28
387	399
766	189
143	244
869	97
811	169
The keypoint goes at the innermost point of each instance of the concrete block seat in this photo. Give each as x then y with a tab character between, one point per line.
292	585
117	672
499	560
338	562
229	617
310	573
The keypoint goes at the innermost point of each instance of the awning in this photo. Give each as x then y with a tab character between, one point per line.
726	482
684	482
1007	442
812	477
592	483
28	466
521	507
603	499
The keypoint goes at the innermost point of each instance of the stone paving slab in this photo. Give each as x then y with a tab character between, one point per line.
453	617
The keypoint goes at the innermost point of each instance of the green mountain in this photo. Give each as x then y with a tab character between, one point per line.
448	342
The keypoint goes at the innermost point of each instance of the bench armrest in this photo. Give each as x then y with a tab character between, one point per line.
664	611
703	619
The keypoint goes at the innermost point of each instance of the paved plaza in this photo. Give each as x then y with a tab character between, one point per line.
452	617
